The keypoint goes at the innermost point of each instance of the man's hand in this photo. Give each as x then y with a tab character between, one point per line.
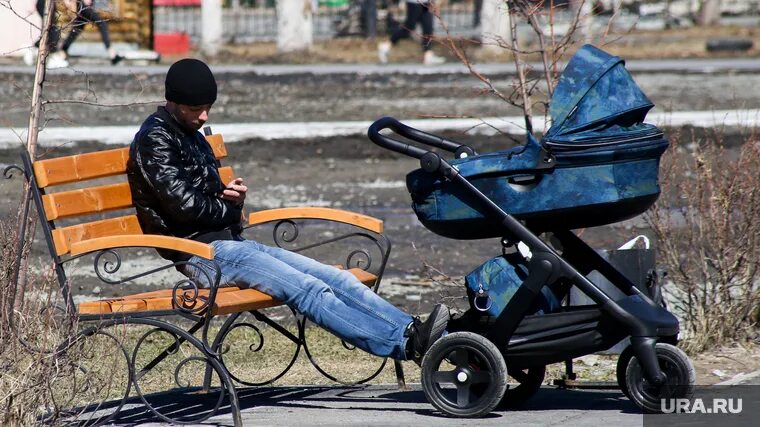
235	191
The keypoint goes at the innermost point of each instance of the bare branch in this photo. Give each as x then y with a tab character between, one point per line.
520	68
99	104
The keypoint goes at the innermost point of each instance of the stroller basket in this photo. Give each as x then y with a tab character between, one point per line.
597	164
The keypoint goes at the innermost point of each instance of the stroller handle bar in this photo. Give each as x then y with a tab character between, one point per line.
416	135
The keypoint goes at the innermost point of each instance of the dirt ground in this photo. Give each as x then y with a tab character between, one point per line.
712	366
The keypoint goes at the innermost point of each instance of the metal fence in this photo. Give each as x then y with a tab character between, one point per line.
246	21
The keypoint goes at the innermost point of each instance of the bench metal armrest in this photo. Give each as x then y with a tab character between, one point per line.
185	294
192	247
368	228
362	221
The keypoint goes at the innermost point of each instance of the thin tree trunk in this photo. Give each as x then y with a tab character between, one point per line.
520	68
709	12
31	148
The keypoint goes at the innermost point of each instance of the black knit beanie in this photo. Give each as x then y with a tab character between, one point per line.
190	82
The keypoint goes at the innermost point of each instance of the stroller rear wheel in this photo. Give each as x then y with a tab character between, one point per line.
464	375
679	382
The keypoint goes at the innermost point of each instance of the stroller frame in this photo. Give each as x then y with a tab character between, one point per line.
645	320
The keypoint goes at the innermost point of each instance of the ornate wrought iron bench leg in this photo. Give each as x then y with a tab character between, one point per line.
215	347
167	351
221	347
211	362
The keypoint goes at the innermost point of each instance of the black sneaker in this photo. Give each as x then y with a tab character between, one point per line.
423	334
116	59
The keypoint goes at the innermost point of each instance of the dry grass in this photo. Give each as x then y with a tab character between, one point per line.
708	234
681	43
32	331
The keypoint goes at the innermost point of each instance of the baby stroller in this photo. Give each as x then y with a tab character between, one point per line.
596	165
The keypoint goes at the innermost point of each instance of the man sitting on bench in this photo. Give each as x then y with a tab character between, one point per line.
177	191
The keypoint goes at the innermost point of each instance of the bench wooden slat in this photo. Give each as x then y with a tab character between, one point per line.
167	293
226	174
101	198
242	300
64	237
87	201
94	307
79	167
364	276
124	306
100	164
228	299
216	141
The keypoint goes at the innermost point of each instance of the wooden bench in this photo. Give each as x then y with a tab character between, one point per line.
84	216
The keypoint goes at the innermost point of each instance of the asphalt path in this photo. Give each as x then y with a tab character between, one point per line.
387	405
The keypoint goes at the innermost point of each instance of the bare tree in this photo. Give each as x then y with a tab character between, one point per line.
706	225
532	88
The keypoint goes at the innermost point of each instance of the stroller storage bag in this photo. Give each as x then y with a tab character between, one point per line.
492	285
604	165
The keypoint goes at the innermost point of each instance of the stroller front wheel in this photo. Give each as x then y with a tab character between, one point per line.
680	378
622	365
464	375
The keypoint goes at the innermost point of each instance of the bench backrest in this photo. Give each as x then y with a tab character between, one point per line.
78	206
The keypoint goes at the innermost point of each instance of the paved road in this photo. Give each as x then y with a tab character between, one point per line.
387	406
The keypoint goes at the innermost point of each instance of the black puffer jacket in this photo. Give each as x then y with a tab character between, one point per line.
174	182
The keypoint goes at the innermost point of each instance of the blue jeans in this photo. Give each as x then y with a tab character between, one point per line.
332	298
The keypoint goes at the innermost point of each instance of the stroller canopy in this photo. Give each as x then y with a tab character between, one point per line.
596	102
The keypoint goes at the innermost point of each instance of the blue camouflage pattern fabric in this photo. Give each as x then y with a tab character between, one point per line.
491	286
595	91
604	156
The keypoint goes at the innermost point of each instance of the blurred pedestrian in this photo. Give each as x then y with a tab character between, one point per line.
55	60
368	11
85	13
416	11
477	8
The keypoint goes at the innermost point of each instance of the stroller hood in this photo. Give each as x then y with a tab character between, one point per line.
596	102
